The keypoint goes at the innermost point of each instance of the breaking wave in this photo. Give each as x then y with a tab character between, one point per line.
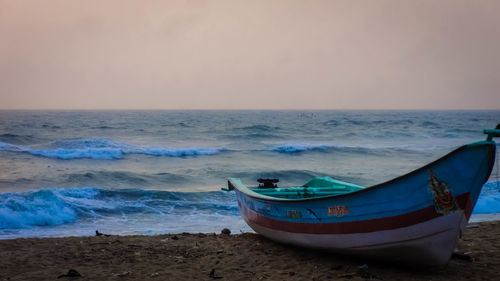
56	206
104	149
295	148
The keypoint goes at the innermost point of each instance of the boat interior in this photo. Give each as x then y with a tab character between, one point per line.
317	187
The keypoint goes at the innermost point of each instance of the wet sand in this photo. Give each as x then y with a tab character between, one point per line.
228	257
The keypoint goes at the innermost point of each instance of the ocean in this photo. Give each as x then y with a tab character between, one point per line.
69	173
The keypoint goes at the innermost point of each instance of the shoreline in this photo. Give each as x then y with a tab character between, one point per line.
245	256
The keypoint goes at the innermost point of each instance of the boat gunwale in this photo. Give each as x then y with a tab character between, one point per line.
490	164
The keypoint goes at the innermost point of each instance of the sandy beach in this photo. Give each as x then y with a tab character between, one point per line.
245	256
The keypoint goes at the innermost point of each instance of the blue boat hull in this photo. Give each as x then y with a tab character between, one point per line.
417	217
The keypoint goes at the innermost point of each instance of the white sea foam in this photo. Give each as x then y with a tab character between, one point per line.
38	208
105	149
126	211
298	147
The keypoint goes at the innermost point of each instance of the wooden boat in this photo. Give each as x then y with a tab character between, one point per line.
416	218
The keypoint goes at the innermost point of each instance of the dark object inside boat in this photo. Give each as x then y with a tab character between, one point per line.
268	183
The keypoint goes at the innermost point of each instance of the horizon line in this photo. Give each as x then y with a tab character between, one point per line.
246	109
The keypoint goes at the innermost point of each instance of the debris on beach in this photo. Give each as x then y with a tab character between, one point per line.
212	274
97	233
472	226
71	273
125	273
462	256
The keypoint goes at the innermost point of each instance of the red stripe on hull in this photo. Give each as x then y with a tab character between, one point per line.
465	203
364	226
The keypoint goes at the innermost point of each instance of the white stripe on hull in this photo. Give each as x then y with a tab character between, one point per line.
431	242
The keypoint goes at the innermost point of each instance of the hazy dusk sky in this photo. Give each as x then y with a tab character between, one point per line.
232	54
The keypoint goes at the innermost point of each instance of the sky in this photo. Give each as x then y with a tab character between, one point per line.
240	54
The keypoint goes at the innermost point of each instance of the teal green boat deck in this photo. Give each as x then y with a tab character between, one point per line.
317	187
